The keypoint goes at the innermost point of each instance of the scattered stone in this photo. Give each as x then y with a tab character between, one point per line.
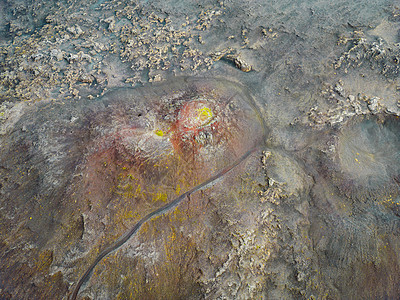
56	54
339	88
73	58
374	105
111	23
240	63
76	30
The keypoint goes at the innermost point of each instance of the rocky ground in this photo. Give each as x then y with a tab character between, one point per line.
313	213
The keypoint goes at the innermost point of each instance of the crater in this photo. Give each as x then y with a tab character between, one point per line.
114	159
368	153
196	126
193	130
362	158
